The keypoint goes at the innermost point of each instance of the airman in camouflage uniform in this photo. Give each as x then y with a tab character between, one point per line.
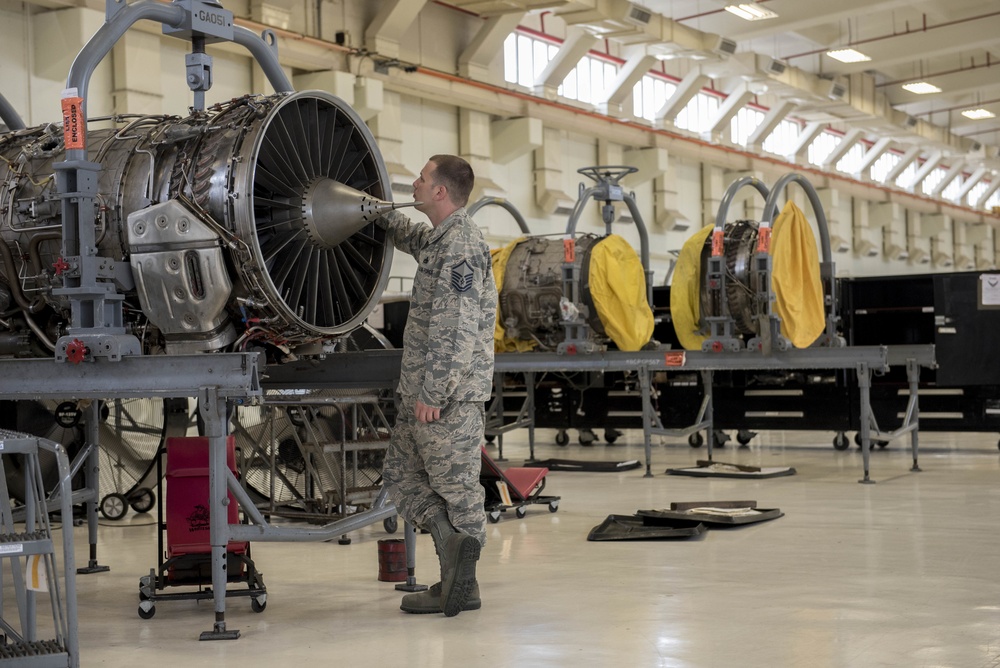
432	466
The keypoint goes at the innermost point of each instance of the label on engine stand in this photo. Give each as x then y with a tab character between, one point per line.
74	126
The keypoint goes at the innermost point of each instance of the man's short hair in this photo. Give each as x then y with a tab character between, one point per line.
456	175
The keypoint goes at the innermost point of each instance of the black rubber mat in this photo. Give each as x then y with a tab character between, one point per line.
706	469
752	516
573	465
632	527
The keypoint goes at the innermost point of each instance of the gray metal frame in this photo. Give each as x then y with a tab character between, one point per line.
213	380
382	368
26	649
9	115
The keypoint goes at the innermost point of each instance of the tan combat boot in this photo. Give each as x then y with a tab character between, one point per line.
429	601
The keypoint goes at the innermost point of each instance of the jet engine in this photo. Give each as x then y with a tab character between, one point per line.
249	223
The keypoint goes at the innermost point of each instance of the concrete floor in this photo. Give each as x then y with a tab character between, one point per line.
900	573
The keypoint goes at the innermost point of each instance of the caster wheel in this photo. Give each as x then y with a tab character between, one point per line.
562	438
721	438
696	440
490	438
493	517
142	500
587	437
520	511
258	604
554	506
840	441
611	435
147	614
874	443
390	524
114	506
744	436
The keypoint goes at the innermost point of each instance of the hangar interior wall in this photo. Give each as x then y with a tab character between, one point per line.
433	110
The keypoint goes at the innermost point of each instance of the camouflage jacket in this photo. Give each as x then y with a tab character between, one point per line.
448	340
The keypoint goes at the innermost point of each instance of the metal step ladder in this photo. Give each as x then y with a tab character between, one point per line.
27	557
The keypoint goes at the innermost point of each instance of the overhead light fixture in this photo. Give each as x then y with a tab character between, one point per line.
921	88
848	56
751	11
978	114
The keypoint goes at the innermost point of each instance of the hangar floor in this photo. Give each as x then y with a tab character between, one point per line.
901	573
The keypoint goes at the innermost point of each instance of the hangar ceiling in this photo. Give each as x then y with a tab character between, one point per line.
952	45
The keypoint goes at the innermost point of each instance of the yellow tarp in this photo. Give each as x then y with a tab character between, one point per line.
685	291
501	342
798	288
618	289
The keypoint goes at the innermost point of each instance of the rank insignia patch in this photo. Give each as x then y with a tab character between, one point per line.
461	276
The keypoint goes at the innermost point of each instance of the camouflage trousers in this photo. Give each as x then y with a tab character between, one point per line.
433	468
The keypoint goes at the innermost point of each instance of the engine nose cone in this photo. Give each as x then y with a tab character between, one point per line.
333	212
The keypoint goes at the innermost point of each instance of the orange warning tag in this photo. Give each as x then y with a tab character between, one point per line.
569	250
717	243
74	128
764	240
674	358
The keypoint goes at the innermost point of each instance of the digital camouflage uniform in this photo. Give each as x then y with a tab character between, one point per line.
433	467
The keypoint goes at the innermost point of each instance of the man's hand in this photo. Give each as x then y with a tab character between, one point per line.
425	413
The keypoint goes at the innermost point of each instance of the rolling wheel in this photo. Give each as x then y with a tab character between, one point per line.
562	438
874	442
696	440
114	506
490	438
493	516
744	436
520	511
390	524
554	505
721	438
611	435
840	441
258	604
147	614
587	437
142	500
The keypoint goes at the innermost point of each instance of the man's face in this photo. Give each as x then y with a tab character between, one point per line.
424	188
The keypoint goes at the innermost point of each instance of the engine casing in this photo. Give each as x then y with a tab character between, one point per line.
211	221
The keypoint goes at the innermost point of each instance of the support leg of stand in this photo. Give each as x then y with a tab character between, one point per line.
706	381
213	413
92	479
913	376
529	398
498	403
864	382
647	418
410	542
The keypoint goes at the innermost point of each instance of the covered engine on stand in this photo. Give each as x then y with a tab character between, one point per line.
576	295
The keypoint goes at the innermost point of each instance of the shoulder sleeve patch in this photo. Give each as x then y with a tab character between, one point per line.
461	276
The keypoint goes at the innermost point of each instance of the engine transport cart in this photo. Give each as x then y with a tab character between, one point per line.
186	558
515	487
